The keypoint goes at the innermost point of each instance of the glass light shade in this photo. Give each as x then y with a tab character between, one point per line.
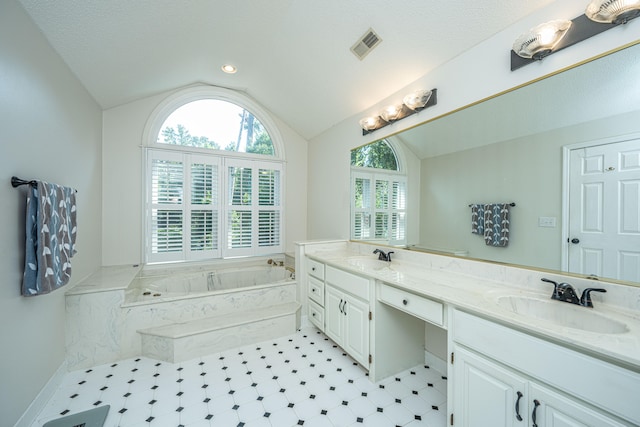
613	11
417	99
370	123
540	41
391	113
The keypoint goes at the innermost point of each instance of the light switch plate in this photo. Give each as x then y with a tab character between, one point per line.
546	221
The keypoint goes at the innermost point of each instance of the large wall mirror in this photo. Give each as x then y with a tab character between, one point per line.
565	150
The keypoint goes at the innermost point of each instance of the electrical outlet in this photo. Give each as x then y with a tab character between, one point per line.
546	221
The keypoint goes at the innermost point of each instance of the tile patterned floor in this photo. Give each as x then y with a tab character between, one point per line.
302	379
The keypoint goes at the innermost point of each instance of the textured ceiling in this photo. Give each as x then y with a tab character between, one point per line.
293	55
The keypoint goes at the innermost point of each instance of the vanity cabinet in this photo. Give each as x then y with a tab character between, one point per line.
315	292
502	377
347	312
488	394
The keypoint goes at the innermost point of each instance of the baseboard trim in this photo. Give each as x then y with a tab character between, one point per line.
435	363
30	415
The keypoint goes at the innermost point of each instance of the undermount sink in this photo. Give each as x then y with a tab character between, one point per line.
368	263
562	314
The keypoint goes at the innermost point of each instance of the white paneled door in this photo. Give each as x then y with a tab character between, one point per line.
604	210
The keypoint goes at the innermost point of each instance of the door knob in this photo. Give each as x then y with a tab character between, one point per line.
575	241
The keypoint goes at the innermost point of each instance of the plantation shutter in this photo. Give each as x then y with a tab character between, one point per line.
166	200
269	207
378	207
189	216
361	206
398	211
240	215
204	209
254	212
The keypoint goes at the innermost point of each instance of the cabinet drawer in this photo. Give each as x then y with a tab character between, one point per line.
316	315
316	290
315	268
413	304
355	285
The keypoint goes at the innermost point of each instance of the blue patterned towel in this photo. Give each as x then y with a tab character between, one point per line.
477	218
496	224
51	238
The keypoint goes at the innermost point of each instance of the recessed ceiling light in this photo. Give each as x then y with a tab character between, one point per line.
229	69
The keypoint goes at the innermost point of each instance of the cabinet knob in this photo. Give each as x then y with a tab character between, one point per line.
405	302
313	269
313	290
313	314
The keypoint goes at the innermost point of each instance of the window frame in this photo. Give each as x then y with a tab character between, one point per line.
223	157
374	174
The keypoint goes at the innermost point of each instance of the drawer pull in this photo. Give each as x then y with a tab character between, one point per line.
518	416
405	302
533	414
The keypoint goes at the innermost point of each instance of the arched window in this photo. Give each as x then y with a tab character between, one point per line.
378	155
218	125
378	194
214	178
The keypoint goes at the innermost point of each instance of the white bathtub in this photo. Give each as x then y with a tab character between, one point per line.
186	285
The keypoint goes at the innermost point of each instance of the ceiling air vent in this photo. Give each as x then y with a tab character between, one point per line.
365	44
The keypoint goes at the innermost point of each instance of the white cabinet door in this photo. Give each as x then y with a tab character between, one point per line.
356	329
333	316
550	409
347	323
486	394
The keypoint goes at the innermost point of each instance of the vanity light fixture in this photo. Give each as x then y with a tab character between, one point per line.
540	41
391	113
600	15
229	69
613	11
411	104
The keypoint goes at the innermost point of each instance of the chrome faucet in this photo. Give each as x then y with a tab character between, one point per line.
565	292
383	256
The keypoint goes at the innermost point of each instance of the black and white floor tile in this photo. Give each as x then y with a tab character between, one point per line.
302	379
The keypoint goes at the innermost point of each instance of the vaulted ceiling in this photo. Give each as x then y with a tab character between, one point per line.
293	56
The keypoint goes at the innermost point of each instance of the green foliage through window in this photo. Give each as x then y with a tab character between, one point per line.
216	125
378	155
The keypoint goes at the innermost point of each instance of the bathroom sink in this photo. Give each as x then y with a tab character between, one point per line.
368	263
561	314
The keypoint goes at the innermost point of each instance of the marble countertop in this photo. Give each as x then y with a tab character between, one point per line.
111	278
479	295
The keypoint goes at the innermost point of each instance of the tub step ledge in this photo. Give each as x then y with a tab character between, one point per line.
187	340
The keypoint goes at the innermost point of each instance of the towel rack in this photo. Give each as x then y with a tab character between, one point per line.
510	204
17	182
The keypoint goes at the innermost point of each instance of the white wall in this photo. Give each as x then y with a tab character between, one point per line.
123	195
470	77
51	130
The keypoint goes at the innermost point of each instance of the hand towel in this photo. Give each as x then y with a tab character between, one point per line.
496	224
51	238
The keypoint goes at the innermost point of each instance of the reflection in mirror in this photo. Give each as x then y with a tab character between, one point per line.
378	194
565	149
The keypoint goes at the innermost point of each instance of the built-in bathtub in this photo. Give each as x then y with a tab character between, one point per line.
109	323
176	285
